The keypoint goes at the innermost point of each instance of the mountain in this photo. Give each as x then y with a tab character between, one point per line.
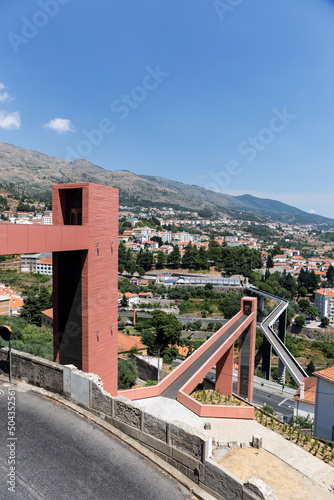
31	172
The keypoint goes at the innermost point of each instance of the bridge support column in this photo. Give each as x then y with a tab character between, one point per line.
247	355
224	373
266	357
282	337
261	305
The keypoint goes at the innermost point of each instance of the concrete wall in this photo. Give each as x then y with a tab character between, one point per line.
147	371
179	445
34	370
324	404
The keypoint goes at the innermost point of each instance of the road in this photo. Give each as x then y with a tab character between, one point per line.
61	455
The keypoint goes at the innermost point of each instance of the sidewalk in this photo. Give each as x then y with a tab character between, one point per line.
226	430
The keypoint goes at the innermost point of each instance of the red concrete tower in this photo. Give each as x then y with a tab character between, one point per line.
85	281
84	242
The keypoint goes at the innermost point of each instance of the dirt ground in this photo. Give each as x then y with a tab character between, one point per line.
286	482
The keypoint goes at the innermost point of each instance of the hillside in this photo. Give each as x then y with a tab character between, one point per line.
31	172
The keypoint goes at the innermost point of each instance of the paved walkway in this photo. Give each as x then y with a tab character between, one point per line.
242	431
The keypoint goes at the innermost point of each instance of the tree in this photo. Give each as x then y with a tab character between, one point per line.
230	305
144	260
310	369
124	301
312	311
174	258
324	321
141	271
167	330
188	257
302	291
36	301
161	260
270	262
330	276
127	373
304	304
300	321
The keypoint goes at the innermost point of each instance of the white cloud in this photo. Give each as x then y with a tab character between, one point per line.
60	125
10	121
4	96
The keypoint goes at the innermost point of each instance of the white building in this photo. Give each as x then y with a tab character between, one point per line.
44	266
324	404
47	220
324	302
304	398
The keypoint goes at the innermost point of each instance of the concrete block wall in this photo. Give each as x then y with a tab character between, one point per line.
177	445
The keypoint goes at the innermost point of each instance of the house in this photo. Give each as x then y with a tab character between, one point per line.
44	266
125	343
29	262
304	398
324	404
16	303
47	319
132	298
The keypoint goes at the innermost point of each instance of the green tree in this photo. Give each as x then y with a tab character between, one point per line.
230	305
304	304
270	262
300	321
144	260
124	301
127	373
330	276
167	330
302	291
141	271
310	369
324	321
174	258
35	301
161	259
312	311
188	257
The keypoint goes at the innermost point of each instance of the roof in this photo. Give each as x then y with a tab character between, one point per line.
327	374
126	342
310	384
48	312
16	301
325	291
46	260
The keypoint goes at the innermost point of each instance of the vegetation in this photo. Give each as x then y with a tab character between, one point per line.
29	338
36	300
127	373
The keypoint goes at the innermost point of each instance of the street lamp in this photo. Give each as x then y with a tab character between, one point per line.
7	334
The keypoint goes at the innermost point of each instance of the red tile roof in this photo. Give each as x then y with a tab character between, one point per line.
327	374
48	313
126	342
309	391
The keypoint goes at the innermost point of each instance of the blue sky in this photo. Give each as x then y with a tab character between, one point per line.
232	95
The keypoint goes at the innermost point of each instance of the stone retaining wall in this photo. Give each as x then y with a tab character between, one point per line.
179	445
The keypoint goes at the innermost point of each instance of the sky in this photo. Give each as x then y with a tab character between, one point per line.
236	96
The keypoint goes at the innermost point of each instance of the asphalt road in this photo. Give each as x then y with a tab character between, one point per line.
61	455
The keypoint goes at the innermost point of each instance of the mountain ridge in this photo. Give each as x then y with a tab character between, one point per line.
29	171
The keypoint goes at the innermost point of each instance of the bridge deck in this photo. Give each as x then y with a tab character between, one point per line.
172	390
